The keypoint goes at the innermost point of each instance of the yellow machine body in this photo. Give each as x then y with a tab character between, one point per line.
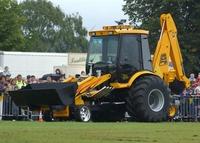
122	77
167	62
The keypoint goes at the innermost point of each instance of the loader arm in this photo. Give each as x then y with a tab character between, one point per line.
167	60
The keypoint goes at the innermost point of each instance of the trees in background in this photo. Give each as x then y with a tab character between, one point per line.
48	29
39	26
146	13
11	36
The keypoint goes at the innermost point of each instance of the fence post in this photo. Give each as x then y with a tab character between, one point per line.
1	106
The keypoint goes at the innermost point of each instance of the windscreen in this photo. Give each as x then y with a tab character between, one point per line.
103	49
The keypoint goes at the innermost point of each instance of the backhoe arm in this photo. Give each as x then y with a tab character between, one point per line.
167	60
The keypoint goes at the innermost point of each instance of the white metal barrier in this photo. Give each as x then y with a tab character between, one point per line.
1	106
188	108
10	111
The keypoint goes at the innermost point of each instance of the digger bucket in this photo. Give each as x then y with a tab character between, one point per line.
45	94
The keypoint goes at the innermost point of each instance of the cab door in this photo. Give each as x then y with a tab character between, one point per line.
130	60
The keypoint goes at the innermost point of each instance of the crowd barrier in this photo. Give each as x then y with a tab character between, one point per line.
1	106
188	109
9	111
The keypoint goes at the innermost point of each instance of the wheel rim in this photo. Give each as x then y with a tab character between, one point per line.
156	100
85	114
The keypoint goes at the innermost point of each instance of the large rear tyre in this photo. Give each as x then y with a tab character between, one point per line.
148	99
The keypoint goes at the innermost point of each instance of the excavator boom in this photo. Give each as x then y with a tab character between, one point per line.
167	59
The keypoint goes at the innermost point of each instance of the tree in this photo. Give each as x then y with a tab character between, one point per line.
72	35
145	14
11	37
48	29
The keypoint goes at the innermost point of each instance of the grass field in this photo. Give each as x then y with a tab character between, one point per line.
74	132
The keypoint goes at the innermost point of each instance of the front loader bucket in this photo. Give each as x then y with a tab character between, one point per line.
45	94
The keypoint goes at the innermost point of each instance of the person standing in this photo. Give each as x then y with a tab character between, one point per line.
198	78
49	79
192	78
33	79
6	71
20	82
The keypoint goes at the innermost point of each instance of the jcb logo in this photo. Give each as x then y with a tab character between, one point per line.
163	59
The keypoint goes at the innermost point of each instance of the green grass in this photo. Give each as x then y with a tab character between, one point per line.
74	132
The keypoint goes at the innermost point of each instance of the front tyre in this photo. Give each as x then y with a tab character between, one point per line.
83	113
148	99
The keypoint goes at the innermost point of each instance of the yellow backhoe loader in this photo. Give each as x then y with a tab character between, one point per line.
122	77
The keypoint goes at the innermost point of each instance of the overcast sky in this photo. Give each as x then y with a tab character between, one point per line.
95	13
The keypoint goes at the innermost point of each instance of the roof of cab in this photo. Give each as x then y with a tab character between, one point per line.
118	29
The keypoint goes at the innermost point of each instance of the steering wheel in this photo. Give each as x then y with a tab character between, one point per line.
128	68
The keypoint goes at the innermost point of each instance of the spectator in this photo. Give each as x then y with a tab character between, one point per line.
6	71
197	90
33	79
198	78
61	79
49	79
28	79
1	88
1	71
83	73
192	78
8	79
58	71
20	82
13	85
195	83
196	86
2	84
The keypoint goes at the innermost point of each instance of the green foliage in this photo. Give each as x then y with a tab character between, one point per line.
38	25
146	13
11	37
48	29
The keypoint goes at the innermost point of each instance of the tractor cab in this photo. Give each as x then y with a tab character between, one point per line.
119	50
